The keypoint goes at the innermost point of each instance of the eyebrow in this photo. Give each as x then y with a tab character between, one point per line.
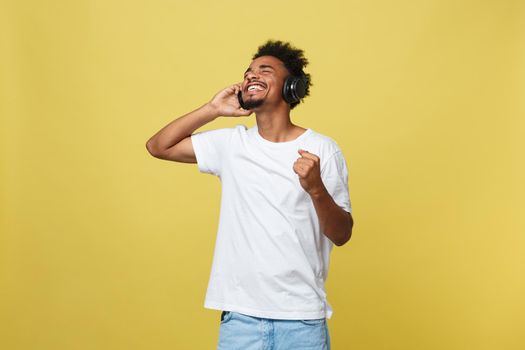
261	66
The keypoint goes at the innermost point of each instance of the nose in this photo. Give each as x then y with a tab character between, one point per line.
251	75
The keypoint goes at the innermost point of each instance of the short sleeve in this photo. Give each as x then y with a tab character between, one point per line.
211	148
335	178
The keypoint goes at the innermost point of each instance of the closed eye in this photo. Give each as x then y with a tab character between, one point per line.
264	71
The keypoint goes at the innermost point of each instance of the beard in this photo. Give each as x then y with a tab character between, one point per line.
251	104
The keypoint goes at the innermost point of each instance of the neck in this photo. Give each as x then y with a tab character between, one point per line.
275	125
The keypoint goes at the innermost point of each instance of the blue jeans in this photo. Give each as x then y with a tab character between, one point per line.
242	332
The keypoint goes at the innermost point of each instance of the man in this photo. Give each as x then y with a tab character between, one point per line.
285	202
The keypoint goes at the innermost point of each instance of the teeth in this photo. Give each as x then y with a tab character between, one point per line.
255	87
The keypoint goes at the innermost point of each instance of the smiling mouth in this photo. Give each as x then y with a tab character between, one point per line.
255	88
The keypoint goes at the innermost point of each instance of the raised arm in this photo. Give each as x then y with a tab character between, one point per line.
173	142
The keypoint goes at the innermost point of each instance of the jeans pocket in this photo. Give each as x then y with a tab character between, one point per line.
313	322
225	316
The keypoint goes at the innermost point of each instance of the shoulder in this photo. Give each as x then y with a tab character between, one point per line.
322	140
238	129
221	133
322	145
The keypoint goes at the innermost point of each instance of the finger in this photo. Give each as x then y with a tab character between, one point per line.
302	174
227	91
299	172
309	155
299	169
306	162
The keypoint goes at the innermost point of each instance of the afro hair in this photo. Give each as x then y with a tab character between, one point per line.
292	58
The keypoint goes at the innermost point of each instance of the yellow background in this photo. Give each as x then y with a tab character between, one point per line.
104	247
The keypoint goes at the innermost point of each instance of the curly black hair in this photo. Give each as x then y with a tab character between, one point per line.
292	57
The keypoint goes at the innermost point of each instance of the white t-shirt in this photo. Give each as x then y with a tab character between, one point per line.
271	259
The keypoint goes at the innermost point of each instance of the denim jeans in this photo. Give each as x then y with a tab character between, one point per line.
242	332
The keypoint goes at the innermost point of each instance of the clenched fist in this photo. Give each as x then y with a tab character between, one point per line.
308	168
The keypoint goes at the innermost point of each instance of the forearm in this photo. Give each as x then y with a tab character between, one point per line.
334	221
181	128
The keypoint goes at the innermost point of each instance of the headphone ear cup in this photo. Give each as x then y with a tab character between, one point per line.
294	89
241	102
287	89
299	88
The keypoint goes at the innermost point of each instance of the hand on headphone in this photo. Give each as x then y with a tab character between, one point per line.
226	103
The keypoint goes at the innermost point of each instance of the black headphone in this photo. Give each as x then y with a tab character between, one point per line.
294	89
